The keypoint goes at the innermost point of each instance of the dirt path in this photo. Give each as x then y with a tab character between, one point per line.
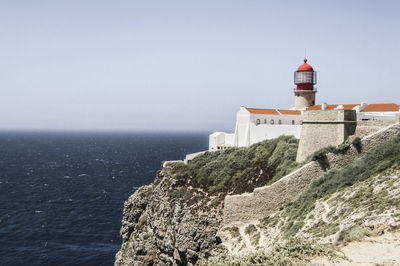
380	250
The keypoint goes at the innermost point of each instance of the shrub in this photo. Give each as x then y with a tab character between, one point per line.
233	231
342	148
238	170
250	229
357	143
320	156
375	161
354	233
293	252
215	202
269	221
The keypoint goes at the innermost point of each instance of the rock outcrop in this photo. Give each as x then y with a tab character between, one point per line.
168	223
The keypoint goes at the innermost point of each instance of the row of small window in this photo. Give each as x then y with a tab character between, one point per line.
221	147
258	121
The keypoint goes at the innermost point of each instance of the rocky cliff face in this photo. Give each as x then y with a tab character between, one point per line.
169	223
343	216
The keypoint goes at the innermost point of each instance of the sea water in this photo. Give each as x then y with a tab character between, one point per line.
62	194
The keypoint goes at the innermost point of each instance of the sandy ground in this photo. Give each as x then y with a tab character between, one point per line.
380	250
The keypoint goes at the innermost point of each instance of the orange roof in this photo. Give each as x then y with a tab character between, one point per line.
333	106
289	112
262	111
381	107
374	107
272	111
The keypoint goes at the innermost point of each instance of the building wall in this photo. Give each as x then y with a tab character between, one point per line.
324	128
263	132
276	119
242	128
377	115
253	128
216	139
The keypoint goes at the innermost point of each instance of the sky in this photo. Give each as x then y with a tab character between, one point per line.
186	65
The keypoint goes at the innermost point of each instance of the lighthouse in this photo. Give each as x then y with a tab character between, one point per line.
304	94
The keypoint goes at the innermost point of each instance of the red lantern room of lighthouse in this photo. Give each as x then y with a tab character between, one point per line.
304	78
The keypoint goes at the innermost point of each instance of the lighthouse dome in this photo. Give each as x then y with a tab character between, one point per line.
305	67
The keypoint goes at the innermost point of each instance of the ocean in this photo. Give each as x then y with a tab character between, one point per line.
62	194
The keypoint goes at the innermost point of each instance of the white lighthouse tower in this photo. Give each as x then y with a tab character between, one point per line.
304	94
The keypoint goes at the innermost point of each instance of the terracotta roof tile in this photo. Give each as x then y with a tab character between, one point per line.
290	112
333	106
273	111
314	107
378	107
262	111
381	107
374	107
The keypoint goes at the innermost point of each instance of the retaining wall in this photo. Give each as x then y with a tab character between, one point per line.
264	201
365	128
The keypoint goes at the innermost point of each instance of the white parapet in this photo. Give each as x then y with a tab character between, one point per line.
165	163
191	156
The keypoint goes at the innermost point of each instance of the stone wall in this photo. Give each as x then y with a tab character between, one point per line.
264	201
324	128
365	128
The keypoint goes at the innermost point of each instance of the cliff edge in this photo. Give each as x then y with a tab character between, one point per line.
175	220
349	215
165	223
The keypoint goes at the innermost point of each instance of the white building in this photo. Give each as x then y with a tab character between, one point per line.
254	125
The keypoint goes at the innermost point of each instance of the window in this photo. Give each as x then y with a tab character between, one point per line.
292	122
280	122
304	77
258	122
272	121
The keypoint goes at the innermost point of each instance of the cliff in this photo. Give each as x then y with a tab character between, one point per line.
175	220
166	224
341	216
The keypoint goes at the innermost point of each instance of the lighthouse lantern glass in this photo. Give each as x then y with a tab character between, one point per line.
305	77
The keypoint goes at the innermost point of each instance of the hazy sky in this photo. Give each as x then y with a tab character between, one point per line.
187	65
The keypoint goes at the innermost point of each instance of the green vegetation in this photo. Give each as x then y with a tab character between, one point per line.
367	197
255	239
354	233
342	148
233	231
253	233
357	143
293	252
322	229
215	202
239	170
145	191
320	155
375	161
250	229
269	221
